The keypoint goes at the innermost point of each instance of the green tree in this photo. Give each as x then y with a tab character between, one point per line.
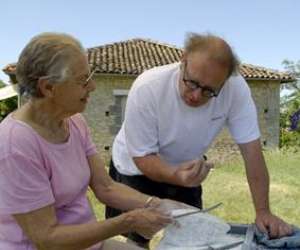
289	105
7	105
2	84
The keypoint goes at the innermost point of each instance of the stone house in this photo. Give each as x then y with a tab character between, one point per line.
118	64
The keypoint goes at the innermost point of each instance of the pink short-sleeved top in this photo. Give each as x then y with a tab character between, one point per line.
35	173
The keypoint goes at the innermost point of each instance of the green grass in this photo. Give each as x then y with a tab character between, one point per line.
228	184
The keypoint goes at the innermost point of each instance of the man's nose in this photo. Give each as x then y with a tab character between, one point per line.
196	94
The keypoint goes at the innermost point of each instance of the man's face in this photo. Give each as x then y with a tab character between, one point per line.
201	79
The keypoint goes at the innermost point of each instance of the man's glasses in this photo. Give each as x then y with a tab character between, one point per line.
193	85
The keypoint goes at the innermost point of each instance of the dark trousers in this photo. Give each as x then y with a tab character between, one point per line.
190	196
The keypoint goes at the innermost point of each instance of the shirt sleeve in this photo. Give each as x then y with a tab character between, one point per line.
242	119
25	185
141	129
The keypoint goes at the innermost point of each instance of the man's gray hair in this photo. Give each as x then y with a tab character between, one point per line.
47	55
217	48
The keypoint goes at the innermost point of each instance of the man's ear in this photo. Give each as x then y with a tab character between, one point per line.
183	57
183	60
45	88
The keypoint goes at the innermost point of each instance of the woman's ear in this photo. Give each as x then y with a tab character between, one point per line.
45	88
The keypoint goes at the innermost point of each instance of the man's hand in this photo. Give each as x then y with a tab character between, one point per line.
272	225
192	173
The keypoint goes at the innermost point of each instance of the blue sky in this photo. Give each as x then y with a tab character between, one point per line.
262	32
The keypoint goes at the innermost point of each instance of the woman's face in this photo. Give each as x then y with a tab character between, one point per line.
72	95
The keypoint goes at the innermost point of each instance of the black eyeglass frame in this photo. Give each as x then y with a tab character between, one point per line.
193	85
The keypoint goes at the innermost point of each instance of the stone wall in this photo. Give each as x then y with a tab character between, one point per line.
267	99
104	115
98	112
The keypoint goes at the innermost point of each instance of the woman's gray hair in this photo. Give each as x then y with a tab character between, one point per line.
47	55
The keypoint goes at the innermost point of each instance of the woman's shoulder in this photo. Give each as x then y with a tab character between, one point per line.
16	136
78	125
78	121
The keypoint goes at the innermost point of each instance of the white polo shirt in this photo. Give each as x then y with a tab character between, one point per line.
157	120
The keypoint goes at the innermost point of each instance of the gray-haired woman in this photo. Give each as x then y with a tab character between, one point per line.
48	161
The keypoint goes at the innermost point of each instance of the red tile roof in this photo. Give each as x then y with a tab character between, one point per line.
132	57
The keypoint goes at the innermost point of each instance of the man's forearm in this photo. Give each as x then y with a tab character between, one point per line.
257	174
259	185
156	169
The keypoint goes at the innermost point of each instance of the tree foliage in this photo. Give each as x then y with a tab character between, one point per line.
2	84
7	105
290	108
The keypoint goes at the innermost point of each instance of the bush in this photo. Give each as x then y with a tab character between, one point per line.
289	122
290	109
7	106
289	139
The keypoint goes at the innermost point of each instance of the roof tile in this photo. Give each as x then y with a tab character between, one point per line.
132	57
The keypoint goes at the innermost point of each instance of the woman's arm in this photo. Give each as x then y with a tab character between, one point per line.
42	228
110	192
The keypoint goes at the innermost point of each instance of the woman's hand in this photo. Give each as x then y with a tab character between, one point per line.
147	221
167	206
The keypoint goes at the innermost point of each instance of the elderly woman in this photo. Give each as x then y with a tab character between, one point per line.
48	161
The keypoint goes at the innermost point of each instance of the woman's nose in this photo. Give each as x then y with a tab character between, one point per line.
91	85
